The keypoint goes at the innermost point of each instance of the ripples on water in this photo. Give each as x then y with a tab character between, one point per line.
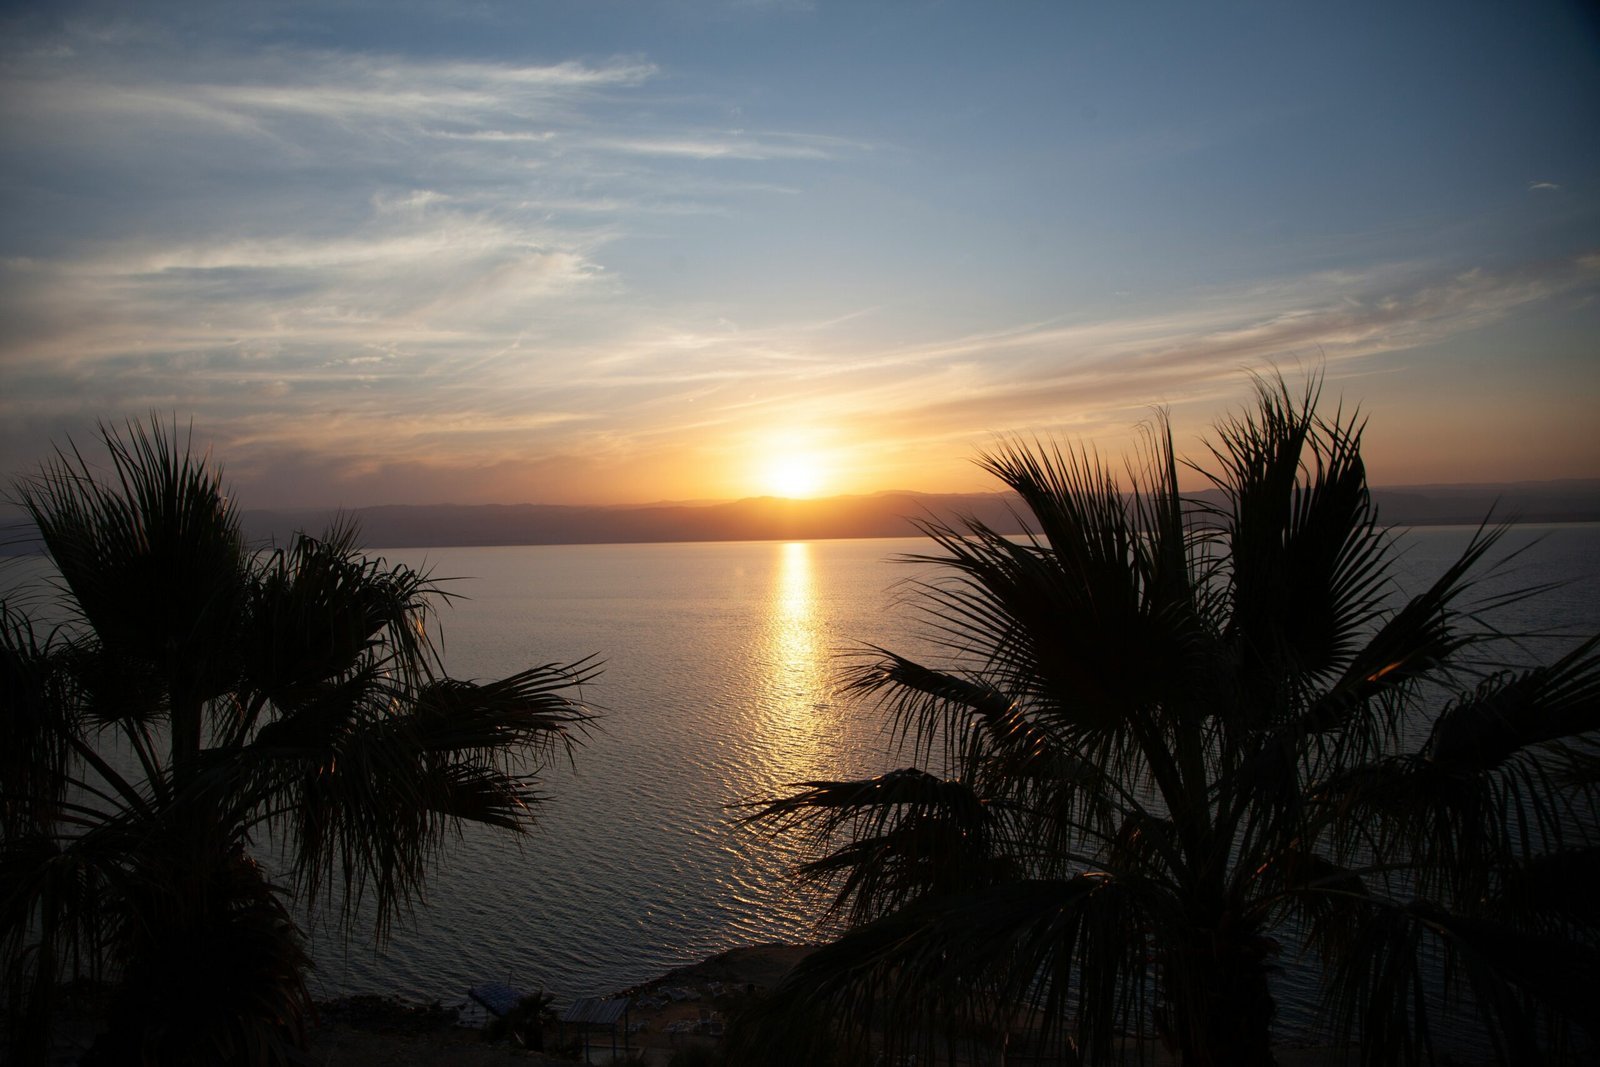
720	660
718	687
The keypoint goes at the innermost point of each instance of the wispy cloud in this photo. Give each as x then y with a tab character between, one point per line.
716	146
1105	373
379	275
334	249
452	393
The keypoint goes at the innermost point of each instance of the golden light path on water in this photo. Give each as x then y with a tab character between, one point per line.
721	686
797	677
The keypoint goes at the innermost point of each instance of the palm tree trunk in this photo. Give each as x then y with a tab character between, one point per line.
1220	1007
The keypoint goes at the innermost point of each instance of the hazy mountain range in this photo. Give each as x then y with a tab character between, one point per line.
888	514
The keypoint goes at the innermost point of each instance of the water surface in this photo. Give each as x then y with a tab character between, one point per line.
719	686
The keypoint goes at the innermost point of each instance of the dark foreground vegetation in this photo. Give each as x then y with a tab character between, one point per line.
204	701
1168	748
1172	743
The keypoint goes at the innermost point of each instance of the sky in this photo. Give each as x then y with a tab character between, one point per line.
620	251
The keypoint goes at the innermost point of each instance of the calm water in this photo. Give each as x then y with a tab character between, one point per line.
717	688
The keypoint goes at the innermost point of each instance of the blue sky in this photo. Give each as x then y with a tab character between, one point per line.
627	251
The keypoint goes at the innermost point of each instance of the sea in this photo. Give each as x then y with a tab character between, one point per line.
721	687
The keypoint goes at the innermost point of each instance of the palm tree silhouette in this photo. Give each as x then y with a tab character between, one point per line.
213	731
1171	742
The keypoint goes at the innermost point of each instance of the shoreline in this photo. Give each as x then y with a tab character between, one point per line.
429	1036
679	1006
379	1031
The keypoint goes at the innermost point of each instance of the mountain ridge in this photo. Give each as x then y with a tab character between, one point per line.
889	513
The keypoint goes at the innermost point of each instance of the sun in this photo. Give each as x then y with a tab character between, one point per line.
793	476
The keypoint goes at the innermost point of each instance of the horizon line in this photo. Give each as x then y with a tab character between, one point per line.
701	502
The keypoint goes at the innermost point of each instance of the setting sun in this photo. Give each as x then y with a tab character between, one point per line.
794	476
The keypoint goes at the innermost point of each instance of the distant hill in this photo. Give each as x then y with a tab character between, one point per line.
1570	500
890	514
755	519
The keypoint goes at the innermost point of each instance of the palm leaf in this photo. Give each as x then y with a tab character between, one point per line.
1511	711
33	759
1207	712
296	689
153	560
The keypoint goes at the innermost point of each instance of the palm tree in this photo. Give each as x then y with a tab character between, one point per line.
1172	741
206	709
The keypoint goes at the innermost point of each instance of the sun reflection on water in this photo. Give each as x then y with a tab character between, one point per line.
796	669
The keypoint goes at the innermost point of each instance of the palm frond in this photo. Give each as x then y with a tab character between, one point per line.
1511	711
153	559
1376	985
34	755
1483	795
376	783
297	688
527	714
1515	975
980	722
1208	711
1307	561
975	960
1418	642
910	833
1552	892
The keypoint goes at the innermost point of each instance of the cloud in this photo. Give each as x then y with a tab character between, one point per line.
1543	187
733	144
710	148
450	400
345	89
494	136
336	199
1103	374
400	277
